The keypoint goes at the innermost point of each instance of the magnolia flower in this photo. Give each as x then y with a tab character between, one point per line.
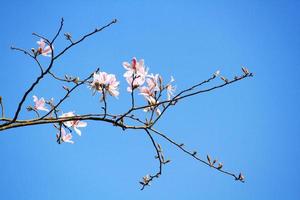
39	104
170	89
108	82
64	136
136	73
75	124
43	49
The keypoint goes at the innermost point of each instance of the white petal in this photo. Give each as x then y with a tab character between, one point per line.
77	131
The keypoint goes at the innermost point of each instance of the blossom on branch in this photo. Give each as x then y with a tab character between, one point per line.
64	137
39	104
136	73
103	82
75	124
44	49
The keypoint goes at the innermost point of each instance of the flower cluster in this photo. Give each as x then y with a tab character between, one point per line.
137	74
150	86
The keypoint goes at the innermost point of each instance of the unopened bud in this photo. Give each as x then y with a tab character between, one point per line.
217	73
241	177
75	80
66	88
29	108
245	70
68	36
220	165
208	159
224	79
214	162
158	147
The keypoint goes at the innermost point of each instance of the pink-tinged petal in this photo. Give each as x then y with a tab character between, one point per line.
151	100
81	124
68	123
126	65
141	62
35	98
63	132
39	104
158	112
128	74
113	93
129	89
77	131
68	138
41	43
43	49
133	63
44	109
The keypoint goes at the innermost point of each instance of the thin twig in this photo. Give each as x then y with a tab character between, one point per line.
158	156
181	147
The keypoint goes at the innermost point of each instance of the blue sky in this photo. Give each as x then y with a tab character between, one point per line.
251	126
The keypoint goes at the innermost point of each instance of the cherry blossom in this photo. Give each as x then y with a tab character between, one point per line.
107	82
64	136
39	104
44	49
136	73
75	124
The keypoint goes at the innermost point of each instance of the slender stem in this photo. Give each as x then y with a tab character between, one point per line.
158	156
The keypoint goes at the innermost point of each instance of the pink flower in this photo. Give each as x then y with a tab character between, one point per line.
153	86
64	136
39	104
43	49
75	124
152	81
135	74
107	82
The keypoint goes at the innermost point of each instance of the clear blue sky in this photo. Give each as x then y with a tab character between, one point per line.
251	126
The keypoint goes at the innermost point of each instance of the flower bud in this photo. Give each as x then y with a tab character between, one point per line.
217	73
220	165
224	79
245	70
